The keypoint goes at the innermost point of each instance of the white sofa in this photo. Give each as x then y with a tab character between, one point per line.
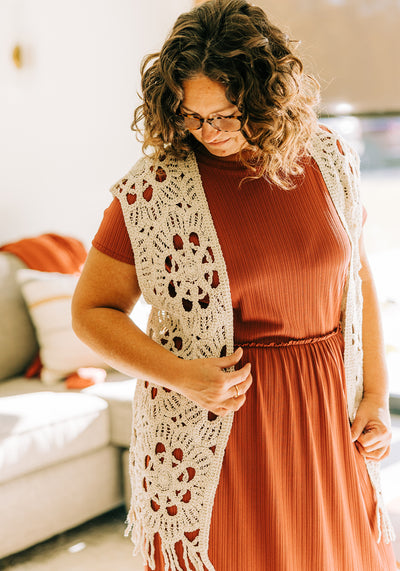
63	452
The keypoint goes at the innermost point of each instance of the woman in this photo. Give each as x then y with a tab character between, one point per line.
243	231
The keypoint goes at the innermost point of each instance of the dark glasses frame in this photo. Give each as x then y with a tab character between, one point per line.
201	121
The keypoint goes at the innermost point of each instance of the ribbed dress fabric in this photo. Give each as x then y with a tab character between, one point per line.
294	493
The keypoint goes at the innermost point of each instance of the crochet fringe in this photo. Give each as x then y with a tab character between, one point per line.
145	546
385	528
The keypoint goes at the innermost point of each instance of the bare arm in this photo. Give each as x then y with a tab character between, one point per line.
371	427
105	295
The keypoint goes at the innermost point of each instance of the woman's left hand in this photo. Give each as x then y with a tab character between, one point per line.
371	429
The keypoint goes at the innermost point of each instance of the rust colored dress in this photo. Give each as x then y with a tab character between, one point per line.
294	494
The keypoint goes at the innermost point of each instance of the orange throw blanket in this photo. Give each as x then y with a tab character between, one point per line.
49	253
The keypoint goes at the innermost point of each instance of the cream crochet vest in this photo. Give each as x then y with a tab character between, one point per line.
177	447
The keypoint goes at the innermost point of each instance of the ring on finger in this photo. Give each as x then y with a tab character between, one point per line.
237	391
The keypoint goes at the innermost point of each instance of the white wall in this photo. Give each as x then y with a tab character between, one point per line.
65	116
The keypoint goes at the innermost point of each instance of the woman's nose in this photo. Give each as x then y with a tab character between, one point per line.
208	133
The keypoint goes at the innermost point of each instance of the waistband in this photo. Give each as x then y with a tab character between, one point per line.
304	341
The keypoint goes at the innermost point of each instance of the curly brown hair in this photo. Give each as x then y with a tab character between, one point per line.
234	43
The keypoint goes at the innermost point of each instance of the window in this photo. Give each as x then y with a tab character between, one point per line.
377	139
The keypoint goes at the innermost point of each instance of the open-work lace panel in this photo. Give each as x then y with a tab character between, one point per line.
339	166
177	447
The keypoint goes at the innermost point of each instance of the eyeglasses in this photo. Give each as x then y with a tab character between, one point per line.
194	122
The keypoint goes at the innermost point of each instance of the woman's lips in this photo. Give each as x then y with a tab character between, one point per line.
218	142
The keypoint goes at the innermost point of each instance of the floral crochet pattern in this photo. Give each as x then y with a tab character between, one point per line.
177	447
339	165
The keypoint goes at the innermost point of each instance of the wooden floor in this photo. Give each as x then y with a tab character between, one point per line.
98	545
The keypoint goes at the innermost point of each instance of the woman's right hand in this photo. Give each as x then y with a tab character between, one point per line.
103	300
205	382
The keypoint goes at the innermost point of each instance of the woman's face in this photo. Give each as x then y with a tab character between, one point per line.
206	98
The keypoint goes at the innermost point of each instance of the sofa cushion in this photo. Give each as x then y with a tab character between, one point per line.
119	395
18	344
21	385
41	429
48	296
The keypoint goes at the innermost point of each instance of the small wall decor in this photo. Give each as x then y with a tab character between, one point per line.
17	56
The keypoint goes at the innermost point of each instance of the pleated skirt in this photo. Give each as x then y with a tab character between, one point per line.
293	483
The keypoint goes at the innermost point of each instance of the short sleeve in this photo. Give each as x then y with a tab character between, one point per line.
112	236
